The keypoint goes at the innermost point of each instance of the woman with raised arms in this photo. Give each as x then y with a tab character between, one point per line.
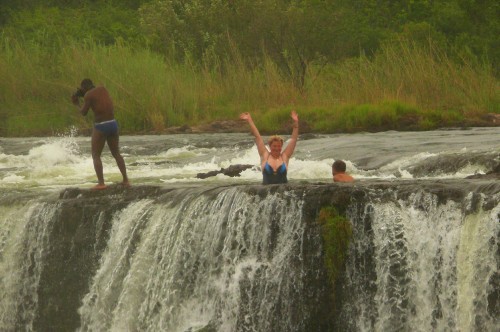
274	163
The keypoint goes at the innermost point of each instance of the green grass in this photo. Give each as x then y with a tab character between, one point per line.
402	87
387	115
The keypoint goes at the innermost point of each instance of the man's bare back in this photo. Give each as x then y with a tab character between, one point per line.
100	102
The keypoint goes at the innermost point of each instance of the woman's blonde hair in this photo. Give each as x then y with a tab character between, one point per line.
275	138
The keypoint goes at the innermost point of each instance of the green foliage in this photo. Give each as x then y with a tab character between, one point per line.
295	34
151	94
415	74
274	120
336	232
344	65
55	26
386	115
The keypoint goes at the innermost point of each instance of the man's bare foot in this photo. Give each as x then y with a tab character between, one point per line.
126	184
99	187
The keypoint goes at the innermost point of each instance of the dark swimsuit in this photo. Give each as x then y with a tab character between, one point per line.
274	177
108	128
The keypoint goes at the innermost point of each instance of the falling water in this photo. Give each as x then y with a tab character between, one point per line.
206	260
24	240
251	259
417	265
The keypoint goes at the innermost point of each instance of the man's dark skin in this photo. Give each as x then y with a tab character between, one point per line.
99	101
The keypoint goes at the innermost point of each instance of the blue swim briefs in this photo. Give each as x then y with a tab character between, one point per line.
108	128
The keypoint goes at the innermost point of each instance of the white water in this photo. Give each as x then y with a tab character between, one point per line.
191	258
477	263
432	267
24	240
59	162
170	268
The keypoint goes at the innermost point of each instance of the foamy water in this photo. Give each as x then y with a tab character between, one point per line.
56	162
187	259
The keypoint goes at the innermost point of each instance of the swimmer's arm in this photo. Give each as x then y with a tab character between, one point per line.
86	105
261	147
295	135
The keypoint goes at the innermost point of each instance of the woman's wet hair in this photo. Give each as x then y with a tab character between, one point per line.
275	138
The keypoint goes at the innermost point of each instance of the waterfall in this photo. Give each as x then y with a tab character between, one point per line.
24	241
232	261
422	265
250	258
477	265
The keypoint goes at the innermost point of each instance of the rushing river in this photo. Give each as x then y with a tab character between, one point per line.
178	253
58	162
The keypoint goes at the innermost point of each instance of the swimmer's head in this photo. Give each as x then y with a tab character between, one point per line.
338	166
275	143
275	138
87	84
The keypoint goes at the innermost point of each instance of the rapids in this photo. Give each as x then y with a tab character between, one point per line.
63	161
177	253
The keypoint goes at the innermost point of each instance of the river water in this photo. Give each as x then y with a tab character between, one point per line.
183	254
59	162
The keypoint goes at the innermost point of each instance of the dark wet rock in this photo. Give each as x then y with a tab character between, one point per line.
307	136
492	175
452	163
409	121
232	171
207	174
114	190
491	118
185	129
223	126
235	170
405	123
156	163
484	120
233	126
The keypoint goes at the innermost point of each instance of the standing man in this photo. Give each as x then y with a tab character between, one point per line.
105	127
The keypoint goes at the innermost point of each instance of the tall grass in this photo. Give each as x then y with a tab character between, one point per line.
418	75
402	82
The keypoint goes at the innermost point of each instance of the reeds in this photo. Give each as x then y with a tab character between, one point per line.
418	75
403	81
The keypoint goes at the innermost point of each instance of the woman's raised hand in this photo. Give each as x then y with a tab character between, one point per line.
246	116
295	116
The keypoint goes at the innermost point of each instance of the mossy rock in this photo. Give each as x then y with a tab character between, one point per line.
336	232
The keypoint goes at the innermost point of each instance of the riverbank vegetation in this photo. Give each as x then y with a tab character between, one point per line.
345	66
